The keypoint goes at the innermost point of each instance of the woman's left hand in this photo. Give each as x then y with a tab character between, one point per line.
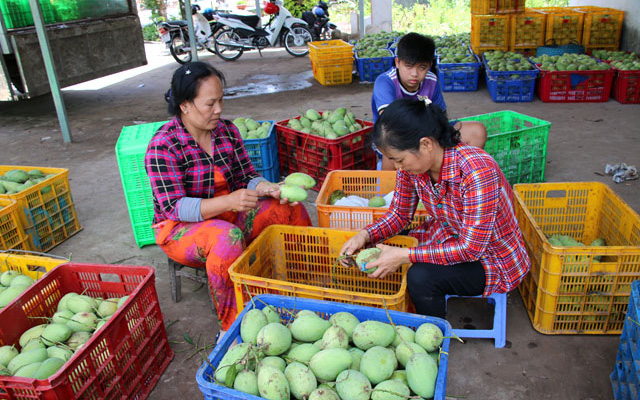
389	261
272	190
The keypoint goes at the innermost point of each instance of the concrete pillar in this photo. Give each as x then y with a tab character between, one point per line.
380	16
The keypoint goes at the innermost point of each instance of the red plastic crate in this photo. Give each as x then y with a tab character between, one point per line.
124	359
626	87
575	86
316	156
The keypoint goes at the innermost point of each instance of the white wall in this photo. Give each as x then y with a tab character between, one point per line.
631	28
380	16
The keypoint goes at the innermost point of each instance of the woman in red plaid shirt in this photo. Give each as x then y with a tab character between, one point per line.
472	244
209	201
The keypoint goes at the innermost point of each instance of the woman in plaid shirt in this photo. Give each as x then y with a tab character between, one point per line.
209	202
472	244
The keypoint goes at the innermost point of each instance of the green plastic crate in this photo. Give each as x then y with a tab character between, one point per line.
130	150
518	143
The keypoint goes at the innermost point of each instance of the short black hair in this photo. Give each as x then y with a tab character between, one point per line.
405	121
416	48
186	82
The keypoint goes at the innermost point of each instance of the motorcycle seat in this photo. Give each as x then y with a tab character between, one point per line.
177	23
251	20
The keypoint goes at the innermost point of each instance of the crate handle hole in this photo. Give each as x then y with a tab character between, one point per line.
110	277
556	194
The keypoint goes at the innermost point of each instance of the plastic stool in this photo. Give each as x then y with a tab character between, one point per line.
175	273
499	330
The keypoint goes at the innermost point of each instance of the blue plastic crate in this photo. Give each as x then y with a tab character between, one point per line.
623	388
325	309
632	322
370	68
264	154
459	77
511	86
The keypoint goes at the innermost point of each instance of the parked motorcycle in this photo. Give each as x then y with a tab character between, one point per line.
318	20
239	32
175	35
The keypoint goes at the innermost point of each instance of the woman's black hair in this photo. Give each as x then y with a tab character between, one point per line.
186	82
405	121
415	48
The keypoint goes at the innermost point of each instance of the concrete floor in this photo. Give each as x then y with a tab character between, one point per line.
584	137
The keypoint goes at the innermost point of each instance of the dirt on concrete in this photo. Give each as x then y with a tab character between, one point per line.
584	137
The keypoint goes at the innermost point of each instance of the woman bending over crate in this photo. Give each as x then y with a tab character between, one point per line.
472	244
209	202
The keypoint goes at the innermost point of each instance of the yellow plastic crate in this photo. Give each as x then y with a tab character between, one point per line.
497	6
602	27
12	235
337	74
564	26
489	32
527	30
31	265
299	261
568	290
365	184
47	212
327	50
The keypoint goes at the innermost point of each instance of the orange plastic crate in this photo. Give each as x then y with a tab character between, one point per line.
12	234
300	262
330	50
497	6
46	209
602	27
489	32
564	26
527	30
122	360
365	184
568	290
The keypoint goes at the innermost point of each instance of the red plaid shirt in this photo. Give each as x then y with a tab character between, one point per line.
178	167
473	218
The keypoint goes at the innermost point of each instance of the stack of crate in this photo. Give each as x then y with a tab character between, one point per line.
491	23
331	62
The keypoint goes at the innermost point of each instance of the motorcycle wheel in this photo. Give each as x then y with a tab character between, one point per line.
227	53
176	48
296	40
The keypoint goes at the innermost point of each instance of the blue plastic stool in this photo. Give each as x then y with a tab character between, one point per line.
499	330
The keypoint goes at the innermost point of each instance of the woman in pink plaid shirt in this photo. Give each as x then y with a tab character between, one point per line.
472	244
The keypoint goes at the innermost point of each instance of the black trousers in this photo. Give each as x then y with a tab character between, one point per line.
428	284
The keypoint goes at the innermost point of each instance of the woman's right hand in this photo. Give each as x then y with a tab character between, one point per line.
352	245
242	200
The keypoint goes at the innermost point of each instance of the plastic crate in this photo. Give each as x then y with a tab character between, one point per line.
365	184
497	6
527	30
369	68
130	151
623	390
564	26
264	154
285	307
626	87
631	330
316	155
330	51
511	86
566	290
46	209
575	86
124	359
489	32
12	235
300	261
339	73
602	26
518	143
34	266
459	77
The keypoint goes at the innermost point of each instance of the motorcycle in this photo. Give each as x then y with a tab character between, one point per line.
240	33
175	35
318	20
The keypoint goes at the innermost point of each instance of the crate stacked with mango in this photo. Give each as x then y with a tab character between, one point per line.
626	83
510	76
373	55
458	67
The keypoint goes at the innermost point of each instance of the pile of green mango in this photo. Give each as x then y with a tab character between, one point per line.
317	357
569	62
566	240
615	55
376	40
250	129
507	61
627	65
374	53
329	124
16	180
13	284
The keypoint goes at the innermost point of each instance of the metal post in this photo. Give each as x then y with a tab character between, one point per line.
51	70
361	11
4	39
192	32
258	9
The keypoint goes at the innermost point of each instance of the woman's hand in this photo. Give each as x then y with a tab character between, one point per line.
242	200
352	245
272	190
389	261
